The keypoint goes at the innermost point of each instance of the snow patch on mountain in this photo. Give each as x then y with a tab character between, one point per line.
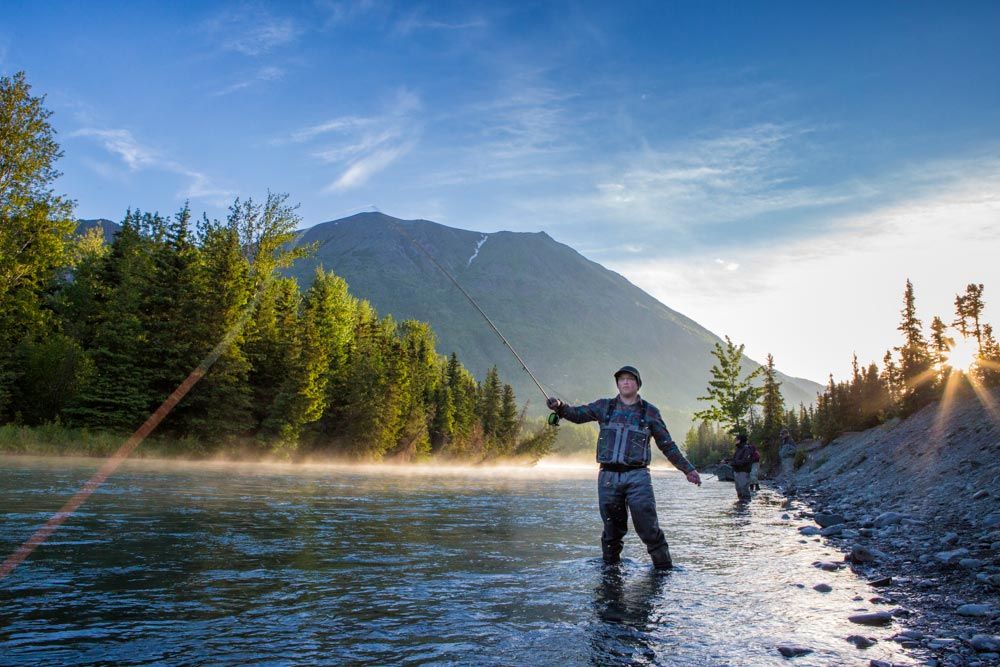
478	246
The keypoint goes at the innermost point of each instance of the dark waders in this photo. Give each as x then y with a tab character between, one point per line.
622	493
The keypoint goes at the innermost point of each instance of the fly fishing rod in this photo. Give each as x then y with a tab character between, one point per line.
481	312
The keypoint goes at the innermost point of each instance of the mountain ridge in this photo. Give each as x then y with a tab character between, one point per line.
537	291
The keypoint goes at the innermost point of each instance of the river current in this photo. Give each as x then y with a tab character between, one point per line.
233	564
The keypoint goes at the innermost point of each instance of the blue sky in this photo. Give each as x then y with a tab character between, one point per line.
774	170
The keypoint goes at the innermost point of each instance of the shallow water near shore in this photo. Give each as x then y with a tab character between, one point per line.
239	563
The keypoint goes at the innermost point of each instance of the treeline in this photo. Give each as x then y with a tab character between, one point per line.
919	372
97	335
912	375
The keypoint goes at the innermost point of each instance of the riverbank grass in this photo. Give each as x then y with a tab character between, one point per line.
57	440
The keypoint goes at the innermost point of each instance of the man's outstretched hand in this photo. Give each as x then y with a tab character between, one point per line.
694	477
553	403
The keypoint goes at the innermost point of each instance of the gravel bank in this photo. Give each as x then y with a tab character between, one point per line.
915	507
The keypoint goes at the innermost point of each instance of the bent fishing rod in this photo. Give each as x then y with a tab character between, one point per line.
481	312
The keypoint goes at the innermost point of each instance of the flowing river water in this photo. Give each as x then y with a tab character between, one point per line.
233	564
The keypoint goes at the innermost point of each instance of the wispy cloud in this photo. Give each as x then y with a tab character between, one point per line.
363	146
251	30
417	20
138	157
942	237
262	75
338	12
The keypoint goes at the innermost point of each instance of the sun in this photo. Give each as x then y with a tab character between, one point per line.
963	355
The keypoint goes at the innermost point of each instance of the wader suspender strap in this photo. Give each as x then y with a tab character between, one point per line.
613	403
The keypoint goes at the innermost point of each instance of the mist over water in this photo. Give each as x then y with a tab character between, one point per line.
232	564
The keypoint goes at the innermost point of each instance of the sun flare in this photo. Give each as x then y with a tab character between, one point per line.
964	355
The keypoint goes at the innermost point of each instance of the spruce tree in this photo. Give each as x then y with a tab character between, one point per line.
915	365
773	409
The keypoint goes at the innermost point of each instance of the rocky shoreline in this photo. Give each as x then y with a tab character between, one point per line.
914	505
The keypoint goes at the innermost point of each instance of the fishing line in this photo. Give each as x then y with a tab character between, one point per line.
476	306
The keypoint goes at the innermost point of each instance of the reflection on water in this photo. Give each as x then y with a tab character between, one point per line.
217	564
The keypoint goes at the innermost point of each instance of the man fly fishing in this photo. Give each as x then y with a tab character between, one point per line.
624	484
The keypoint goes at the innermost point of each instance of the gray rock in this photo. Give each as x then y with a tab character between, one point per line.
915	635
971	563
983	643
951	556
793	651
823	588
827	520
976	610
949	539
862	642
828	566
785	516
979	495
942	642
809	530
877	618
992	521
881	583
863	554
879	663
887	519
832	530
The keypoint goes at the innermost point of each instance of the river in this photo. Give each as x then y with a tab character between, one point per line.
212	563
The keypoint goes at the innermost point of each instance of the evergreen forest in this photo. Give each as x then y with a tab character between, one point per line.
95	335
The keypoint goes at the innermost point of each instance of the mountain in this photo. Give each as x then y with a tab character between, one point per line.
573	321
108	228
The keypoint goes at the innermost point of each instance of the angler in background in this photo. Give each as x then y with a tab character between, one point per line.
624	484
786	452
742	462
754	468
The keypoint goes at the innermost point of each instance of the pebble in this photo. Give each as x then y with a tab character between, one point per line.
887	519
979	495
785	517
863	554
793	651
949	539
809	530
951	556
877	618
826	520
971	563
976	610
881	583
942	642
832	530
862	642
983	643
823	588
828	566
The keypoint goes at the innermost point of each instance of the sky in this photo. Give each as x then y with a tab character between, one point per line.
774	170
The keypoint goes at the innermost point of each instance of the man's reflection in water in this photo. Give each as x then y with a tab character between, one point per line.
625	607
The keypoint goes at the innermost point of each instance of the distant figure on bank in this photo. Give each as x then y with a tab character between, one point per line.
754	468
624	484
786	452
741	462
